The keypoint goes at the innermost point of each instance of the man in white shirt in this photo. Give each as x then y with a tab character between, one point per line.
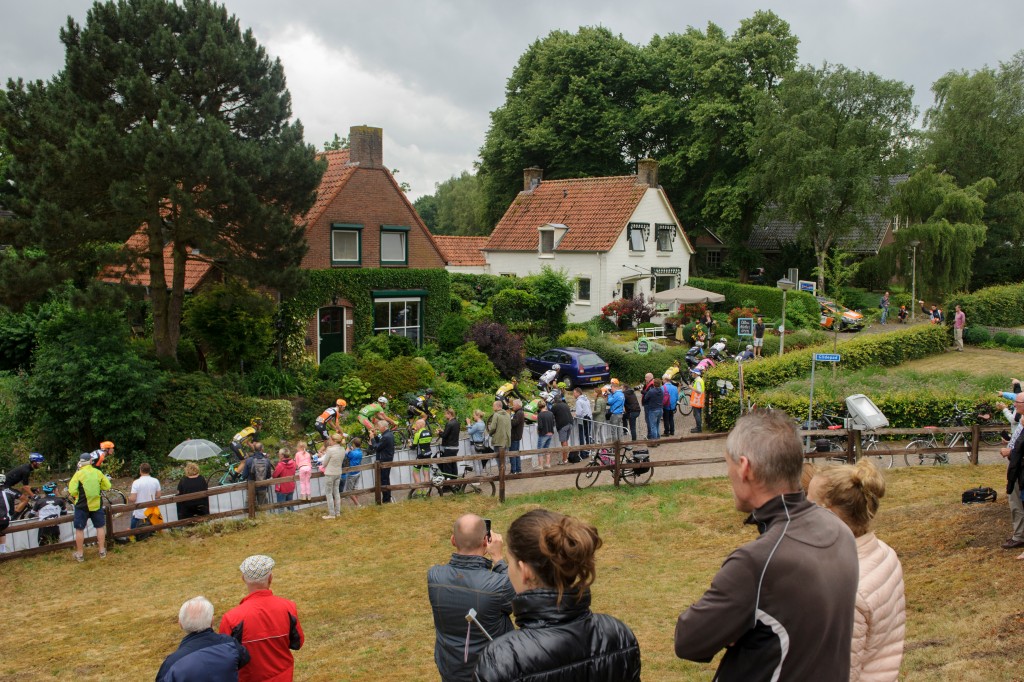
584	415
144	489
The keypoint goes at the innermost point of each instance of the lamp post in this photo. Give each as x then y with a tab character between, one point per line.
913	278
784	284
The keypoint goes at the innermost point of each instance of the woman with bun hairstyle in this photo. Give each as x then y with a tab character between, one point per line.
551	565
852	493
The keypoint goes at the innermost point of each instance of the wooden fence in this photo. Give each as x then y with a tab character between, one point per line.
854	450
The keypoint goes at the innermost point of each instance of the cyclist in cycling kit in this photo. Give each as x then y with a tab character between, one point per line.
331	414
506	392
17	480
49	506
374	411
547	379
421	438
245	438
420	406
672	373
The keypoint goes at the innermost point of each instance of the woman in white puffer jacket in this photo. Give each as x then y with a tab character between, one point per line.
852	493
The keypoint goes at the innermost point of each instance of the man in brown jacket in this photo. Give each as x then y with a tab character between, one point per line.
499	426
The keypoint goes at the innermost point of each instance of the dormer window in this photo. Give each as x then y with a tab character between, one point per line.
665	236
548	237
637	236
547	241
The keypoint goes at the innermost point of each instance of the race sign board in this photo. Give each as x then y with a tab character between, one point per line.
808	285
643	346
827	357
744	326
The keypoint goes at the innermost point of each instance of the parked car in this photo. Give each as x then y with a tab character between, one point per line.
578	366
836	316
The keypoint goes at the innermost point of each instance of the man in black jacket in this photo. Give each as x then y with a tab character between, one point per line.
518	422
632	409
563	424
450	442
475	578
385	453
1014	452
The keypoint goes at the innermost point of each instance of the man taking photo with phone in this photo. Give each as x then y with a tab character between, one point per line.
476	577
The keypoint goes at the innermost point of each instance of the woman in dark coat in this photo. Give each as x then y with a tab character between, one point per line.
551	565
192	482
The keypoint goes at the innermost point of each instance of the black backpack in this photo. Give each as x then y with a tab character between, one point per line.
261	469
977	495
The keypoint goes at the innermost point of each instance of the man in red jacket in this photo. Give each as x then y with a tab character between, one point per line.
266	625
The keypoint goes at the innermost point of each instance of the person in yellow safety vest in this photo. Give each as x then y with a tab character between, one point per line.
421	438
697	396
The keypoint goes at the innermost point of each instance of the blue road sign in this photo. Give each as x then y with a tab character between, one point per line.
827	357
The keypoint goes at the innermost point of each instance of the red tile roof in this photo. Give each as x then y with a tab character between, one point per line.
462	250
196	266
594	209
337	174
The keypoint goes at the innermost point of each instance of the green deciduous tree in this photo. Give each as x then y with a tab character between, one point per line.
232	323
826	145
166	116
458	206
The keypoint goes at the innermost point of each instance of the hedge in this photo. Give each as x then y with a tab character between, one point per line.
631	367
767	299
998	306
904	409
887	350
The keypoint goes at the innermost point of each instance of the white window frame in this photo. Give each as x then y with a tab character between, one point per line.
391	329
590	291
541	234
404	234
357	231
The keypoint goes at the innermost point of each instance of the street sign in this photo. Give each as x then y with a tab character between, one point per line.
643	346
827	357
744	326
808	285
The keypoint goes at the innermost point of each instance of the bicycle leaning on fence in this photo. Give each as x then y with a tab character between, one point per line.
635	469
948	440
442	483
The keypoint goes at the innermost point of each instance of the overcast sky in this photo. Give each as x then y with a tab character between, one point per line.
429	71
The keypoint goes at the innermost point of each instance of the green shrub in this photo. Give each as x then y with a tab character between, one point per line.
510	306
599	324
387	346
1001	338
1015	341
800	305
268	381
572	338
337	365
395	377
630	367
534	345
232	323
452	333
976	334
998	306
471	367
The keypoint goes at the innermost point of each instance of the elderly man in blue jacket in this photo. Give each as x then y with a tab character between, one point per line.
203	654
475	578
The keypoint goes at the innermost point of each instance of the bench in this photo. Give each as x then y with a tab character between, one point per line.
651	332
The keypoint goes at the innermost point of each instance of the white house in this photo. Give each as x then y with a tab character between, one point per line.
616	236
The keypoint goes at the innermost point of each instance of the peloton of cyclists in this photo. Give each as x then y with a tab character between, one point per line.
370	413
330	415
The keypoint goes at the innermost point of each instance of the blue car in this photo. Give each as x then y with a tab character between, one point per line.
578	366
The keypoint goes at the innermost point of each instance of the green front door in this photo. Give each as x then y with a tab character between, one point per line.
332	332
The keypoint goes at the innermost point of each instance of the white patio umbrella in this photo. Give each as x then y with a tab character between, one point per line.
195	449
687	295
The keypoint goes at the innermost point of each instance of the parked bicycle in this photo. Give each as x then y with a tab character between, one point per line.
442	483
945	440
636	468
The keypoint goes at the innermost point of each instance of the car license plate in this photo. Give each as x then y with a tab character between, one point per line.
595	380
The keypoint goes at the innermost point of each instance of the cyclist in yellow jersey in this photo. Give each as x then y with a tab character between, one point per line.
506	392
244	438
330	415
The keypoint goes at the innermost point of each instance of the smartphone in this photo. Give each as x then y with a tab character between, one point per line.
487	522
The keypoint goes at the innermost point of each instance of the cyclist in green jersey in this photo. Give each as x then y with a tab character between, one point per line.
374	411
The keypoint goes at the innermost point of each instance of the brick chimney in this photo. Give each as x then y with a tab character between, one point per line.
532	177
366	146
647	172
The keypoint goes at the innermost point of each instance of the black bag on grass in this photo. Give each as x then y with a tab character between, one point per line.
978	495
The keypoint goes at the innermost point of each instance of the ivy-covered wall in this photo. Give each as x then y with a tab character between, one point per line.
357	285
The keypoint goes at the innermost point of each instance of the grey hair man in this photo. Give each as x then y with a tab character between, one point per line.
1014	453
756	607
476	577
202	654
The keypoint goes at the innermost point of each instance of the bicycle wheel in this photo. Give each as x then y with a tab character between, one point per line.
955	440
683	406
641	476
912	458
587	476
113	496
880	461
403	438
992	438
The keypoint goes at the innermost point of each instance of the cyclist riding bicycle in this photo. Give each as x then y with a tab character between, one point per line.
420	406
672	373
331	414
548	379
374	411
17	480
507	391
245	438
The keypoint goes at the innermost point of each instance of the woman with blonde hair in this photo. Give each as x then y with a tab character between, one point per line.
853	493
192	482
551	565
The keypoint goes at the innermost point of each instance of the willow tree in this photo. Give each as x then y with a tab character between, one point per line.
168	118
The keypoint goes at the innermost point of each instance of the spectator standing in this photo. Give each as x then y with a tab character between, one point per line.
669	406
552	565
545	433
476	577
632	409
653	408
1014	454
145	488
959	322
880	617
884	305
477	431
584	415
450	442
330	464
265	624
285	469
616	408
500	428
758	336
697	396
421	437
756	607
385	454
601	415
85	488
304	466
518	422
563	425
203	654
258	467
350	479
192	482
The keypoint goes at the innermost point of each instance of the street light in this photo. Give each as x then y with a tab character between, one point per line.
913	278
784	284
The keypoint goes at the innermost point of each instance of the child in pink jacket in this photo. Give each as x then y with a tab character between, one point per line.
304	465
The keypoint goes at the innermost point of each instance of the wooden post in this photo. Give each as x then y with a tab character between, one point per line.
975	441
501	473
617	471
853	447
109	536
378	494
250	493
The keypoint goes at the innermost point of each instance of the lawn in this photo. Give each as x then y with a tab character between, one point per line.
360	582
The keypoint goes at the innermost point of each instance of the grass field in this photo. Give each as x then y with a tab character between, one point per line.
359	582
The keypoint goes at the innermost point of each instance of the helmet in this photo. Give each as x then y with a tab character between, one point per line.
382	400
48	488
35	457
749	347
723	339
107	445
556	367
429	391
340	402
696	371
546	395
256	421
